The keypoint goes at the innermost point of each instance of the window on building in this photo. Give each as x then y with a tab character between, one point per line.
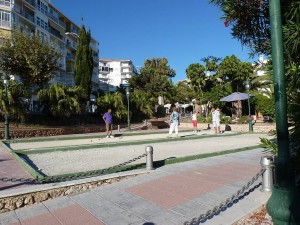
38	21
7	2
5	18
111	69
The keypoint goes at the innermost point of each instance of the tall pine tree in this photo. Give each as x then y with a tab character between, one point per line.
83	68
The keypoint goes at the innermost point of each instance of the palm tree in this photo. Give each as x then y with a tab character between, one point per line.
15	102
115	101
143	102
63	100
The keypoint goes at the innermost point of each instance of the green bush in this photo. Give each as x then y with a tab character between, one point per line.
242	120
226	120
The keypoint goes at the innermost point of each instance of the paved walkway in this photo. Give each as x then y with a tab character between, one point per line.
10	168
171	195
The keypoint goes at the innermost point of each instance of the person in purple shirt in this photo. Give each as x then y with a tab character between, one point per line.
108	119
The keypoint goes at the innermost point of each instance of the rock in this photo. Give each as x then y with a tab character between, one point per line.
40	197
29	200
10	205
1	205
19	202
4	210
69	191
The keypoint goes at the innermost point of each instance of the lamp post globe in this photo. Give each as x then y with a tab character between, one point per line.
248	87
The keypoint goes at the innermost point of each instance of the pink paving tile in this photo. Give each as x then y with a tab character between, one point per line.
75	215
10	168
44	219
166	199
178	188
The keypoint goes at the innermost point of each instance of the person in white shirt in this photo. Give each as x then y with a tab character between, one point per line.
216	120
174	122
194	121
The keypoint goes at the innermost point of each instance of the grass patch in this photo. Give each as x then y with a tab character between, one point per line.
115	144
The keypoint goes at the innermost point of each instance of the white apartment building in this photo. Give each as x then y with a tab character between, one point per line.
114	72
41	17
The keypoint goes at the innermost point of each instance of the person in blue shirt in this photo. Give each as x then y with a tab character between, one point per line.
108	119
174	122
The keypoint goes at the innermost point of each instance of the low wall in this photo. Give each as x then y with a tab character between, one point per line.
47	132
18	201
258	127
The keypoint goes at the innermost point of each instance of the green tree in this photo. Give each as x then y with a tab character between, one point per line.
16	106
62	101
250	24
183	92
30	57
142	104
83	67
263	104
154	77
211	64
233	70
115	101
196	74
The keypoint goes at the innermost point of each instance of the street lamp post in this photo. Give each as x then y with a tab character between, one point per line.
6	123
128	95
284	204
248	86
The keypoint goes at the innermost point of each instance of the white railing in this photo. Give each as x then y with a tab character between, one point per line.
4	23
5	4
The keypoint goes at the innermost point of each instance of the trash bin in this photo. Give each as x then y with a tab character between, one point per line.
266	162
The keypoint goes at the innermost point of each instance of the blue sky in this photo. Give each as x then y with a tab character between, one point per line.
184	31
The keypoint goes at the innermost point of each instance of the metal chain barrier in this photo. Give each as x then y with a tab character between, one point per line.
54	179
210	213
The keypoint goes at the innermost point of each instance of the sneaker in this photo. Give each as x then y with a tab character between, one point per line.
169	136
107	136
111	136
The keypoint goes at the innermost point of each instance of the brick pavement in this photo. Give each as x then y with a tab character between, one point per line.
169	195
9	167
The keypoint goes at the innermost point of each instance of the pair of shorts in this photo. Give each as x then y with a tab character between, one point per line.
194	123
216	123
109	126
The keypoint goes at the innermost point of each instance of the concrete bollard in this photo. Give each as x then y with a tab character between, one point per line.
118	128
149	157
266	162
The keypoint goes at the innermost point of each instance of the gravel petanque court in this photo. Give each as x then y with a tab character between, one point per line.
86	158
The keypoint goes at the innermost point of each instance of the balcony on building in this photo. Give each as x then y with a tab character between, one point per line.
70	57
30	3
103	76
5	4
71	45
104	69
126	71
72	30
126	76
56	33
5	24
25	13
125	64
56	20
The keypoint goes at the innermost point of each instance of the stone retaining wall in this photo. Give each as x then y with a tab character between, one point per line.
47	132
258	127
19	201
